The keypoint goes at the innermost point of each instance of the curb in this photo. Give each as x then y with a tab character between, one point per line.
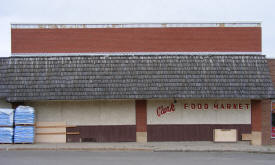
76	149
182	150
104	149
130	149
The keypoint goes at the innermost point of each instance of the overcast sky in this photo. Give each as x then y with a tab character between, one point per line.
117	11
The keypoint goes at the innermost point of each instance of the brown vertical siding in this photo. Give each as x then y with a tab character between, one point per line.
191	132
187	39
256	115
141	116
110	133
75	137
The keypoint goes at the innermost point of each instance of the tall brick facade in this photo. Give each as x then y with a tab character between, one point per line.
185	39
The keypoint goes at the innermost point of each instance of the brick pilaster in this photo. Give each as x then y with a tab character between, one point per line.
266	122
141	121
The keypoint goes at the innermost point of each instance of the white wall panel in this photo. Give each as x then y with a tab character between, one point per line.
113	112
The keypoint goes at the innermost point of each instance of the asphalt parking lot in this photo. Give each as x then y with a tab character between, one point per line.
133	158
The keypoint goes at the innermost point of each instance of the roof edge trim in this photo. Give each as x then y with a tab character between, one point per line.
132	25
135	53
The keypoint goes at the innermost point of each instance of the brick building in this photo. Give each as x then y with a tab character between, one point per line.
142	82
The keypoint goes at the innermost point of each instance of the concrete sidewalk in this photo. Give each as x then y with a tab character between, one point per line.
150	146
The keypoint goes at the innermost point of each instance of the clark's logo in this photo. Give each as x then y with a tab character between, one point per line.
161	110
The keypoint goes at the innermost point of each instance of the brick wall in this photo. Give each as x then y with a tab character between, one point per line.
271	65
256	115
141	116
201	39
261	120
266	123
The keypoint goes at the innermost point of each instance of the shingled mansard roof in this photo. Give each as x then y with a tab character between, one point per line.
135	77
3	82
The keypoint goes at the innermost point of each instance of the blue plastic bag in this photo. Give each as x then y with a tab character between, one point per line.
6	117
6	135
24	115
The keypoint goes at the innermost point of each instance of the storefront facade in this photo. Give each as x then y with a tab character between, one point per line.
149	84
167	120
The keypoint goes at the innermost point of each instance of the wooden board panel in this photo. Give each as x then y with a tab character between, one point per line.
50	138
50	124
50	132
225	135
246	137
256	138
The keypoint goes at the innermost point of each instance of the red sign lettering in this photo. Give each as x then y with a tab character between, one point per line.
186	106
199	106
240	106
161	110
228	106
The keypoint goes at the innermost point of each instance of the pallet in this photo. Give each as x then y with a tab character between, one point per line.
24	124
51	133
6	143
50	124
23	143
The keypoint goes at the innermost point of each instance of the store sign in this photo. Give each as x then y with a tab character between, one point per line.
161	110
199	106
165	109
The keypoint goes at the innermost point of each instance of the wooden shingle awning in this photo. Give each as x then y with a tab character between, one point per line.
135	77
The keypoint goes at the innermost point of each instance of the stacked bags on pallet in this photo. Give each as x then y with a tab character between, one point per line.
24	134
6	125
24	124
